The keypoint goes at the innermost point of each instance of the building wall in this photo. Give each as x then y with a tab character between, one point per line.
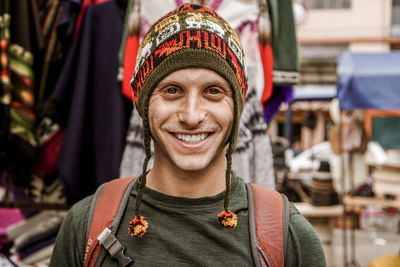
365	26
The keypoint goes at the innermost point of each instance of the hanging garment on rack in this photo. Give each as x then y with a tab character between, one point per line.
69	16
48	63
84	5
55	19
20	40
134	153
129	46
88	103
284	43
244	18
280	94
252	159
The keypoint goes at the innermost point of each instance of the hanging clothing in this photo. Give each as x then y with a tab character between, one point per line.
280	94
55	17
56	45
284	43
20	40
84	5
253	159
88	104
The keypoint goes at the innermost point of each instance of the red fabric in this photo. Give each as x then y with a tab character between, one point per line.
267	60
49	151
131	49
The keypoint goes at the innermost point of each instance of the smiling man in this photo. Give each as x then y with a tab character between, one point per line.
190	119
190	209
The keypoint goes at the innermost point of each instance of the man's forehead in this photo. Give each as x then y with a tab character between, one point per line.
198	75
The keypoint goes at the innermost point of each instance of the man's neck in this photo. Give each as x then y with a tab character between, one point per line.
173	181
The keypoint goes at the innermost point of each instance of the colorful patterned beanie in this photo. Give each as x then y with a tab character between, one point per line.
191	36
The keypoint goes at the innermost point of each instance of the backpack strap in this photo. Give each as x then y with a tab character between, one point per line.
105	213
268	223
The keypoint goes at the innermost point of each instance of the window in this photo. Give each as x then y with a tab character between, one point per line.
396	18
329	4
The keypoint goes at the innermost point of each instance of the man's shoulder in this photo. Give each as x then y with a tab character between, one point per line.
298	222
293	210
82	205
78	214
304	246
301	229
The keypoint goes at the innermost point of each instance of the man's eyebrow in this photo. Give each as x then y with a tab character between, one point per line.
167	82
217	82
207	83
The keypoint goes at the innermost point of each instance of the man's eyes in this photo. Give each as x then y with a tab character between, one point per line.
171	90
214	91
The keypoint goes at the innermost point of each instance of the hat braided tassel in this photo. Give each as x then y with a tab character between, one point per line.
138	226
226	218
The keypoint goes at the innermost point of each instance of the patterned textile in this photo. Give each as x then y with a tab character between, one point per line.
87	102
20	39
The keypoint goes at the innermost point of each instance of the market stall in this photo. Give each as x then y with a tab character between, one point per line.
366	81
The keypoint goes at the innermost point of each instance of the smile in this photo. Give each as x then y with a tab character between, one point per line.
191	138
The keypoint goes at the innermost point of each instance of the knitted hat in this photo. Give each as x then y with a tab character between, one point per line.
191	36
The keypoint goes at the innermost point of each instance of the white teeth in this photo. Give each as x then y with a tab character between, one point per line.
192	138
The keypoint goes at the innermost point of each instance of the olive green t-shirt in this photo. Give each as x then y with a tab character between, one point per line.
185	232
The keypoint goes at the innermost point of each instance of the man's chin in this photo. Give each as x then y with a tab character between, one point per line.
194	165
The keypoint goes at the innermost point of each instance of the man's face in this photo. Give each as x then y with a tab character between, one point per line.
190	117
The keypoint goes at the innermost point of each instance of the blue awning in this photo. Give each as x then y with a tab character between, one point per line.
369	80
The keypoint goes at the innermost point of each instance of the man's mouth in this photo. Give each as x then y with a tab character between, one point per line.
191	138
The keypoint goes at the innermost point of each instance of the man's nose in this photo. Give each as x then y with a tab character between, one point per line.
192	111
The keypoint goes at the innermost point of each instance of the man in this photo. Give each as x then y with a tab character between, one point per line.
189	88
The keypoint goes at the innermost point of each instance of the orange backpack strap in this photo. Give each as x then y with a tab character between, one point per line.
105	213
268	223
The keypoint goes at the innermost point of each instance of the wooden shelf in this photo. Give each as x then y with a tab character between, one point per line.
34	205
303	175
309	210
365	201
